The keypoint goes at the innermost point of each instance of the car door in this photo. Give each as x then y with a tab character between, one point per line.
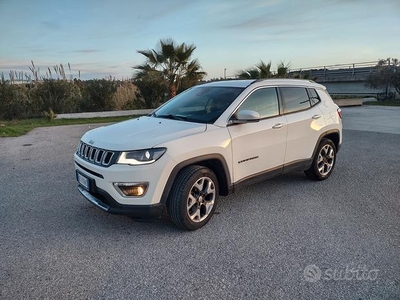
258	148
304	123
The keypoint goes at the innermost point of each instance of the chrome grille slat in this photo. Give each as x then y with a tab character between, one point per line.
95	155
100	155
92	153
85	153
81	145
107	158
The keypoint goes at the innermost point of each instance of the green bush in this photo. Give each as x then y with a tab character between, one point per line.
18	101
14	102
61	95
97	95
151	91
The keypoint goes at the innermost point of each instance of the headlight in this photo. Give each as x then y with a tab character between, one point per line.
141	157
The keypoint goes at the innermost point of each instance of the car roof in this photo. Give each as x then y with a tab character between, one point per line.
231	83
289	81
261	82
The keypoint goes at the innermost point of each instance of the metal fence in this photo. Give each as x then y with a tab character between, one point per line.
339	72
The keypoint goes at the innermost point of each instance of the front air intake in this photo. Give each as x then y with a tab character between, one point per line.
95	155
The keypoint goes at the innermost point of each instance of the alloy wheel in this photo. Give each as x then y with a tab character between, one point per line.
326	159
201	199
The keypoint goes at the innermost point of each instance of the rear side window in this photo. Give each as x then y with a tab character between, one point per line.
295	99
314	98
264	101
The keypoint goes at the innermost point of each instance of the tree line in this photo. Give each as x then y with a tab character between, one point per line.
167	70
32	100
386	75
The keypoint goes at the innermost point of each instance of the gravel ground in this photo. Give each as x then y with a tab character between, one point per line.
286	238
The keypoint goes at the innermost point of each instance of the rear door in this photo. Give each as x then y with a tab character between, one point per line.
304	122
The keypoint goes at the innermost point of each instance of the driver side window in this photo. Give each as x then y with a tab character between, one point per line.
264	101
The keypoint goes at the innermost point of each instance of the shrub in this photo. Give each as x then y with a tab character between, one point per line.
98	95
151	91
61	95
125	97
14	101
49	115
386	75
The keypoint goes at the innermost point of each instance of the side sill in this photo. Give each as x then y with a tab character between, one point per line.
262	176
298	165
293	166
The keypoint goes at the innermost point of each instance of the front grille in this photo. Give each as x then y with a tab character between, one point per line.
95	155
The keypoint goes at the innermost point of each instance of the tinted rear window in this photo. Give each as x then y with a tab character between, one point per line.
314	98
294	99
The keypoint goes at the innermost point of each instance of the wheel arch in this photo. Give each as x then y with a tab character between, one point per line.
334	136
214	162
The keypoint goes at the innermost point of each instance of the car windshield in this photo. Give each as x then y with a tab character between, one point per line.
201	104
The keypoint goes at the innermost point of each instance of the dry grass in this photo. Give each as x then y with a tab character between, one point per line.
125	96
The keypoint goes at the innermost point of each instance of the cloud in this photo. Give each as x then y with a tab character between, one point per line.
295	16
168	8
264	15
86	51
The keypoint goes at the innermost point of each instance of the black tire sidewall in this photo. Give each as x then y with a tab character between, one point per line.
181	190
317	174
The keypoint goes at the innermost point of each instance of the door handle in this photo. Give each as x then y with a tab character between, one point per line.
316	116
277	126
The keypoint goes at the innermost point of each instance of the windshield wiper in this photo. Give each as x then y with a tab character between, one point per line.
172	117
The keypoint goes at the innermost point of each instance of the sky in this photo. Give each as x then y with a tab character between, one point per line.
101	38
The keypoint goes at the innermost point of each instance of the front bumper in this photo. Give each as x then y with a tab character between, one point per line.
104	201
98	187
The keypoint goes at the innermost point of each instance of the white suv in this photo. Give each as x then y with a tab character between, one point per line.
206	142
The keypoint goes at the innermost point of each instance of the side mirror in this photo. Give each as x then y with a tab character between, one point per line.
246	116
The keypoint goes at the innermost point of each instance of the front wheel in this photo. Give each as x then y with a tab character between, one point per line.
193	197
323	162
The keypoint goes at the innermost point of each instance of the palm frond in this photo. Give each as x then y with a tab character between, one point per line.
264	69
282	69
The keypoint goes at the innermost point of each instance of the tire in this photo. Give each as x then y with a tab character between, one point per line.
323	161
193	197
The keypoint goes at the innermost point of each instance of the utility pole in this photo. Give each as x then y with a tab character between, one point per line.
387	80
225	73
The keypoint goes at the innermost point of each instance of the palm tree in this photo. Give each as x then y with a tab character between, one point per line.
261	70
172	63
282	70
192	76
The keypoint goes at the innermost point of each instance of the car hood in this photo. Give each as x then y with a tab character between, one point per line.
140	133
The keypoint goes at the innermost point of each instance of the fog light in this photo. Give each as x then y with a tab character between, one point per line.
128	189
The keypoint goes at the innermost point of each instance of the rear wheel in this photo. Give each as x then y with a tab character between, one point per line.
193	197
323	162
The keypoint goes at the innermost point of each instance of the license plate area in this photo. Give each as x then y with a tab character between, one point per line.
83	181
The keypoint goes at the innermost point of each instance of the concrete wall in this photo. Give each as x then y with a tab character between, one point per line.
350	87
349	102
353	88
